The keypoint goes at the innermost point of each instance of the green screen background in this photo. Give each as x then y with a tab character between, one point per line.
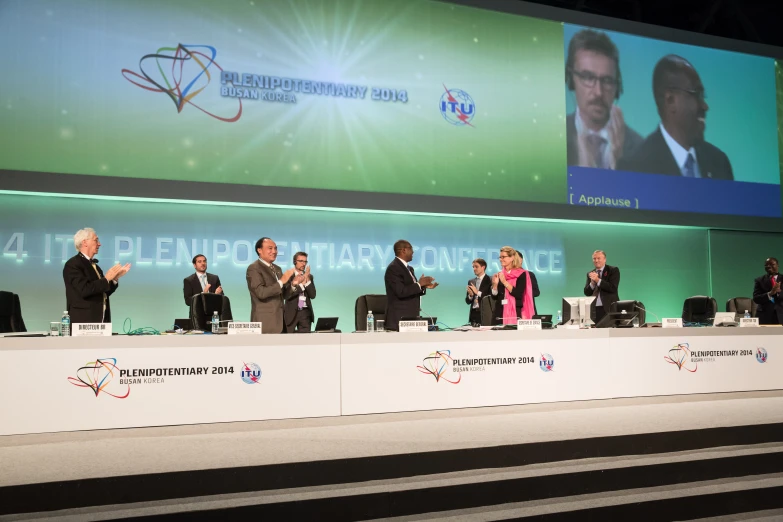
68	108
660	266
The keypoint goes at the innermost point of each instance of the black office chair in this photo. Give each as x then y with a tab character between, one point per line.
364	303
699	309
487	307
11	313
740	304
630	306
202	306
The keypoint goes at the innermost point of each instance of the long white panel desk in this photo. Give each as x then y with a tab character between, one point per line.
67	384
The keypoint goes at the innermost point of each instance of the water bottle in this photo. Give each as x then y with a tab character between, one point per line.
65	324
635	321
370	321
747	314
559	316
215	322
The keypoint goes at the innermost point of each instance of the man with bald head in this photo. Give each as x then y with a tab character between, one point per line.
677	147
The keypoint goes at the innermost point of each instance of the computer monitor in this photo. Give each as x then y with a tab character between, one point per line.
579	310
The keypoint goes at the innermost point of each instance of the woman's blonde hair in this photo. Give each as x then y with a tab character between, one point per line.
516	259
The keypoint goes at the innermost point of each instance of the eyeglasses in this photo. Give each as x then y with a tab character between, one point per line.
501	257
589	79
698	94
301	261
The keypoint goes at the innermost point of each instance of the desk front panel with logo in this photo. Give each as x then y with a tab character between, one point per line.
69	384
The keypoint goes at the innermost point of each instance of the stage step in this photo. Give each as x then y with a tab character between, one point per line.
657	486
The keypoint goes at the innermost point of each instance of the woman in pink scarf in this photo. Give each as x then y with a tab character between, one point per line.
512	286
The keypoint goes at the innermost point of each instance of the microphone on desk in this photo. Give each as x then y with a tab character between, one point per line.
658	319
428	316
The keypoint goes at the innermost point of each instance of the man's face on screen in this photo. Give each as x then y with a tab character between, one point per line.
690	108
595	86
771	266
268	251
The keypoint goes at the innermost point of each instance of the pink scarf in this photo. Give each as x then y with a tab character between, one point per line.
510	308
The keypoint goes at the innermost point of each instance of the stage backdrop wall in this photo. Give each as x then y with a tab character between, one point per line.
349	252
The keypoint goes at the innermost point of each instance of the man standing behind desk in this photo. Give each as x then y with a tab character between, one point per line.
766	294
602	283
87	289
267	285
201	281
478	288
403	290
299	315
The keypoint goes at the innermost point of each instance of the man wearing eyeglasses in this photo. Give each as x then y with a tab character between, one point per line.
596	133
677	147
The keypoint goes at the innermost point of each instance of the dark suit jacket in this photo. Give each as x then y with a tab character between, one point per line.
403	295
84	291
486	289
654	157
292	301
518	292
608	287
632	140
768	312
192	286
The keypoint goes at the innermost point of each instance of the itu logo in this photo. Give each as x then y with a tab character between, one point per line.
437	364
251	373
680	356
181	73
457	107
101	376
761	355
547	363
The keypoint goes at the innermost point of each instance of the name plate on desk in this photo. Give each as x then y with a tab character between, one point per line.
91	330
671	322
528	324
235	328
748	322
413	326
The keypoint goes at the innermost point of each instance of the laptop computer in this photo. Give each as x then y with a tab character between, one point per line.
326	324
185	324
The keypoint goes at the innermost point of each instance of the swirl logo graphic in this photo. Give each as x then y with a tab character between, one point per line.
457	107
190	73
680	356
761	355
99	376
251	373
547	363
437	364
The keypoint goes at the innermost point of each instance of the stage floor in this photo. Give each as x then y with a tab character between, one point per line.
31	459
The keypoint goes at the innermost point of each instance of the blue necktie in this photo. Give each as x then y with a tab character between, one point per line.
689	170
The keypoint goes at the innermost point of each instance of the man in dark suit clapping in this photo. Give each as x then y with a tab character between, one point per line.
766	294
87	288
403	290
201	281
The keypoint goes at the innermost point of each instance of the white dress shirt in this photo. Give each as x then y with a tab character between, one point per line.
680	154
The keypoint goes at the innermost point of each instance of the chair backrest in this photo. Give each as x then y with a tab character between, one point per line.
740	304
7	308
202	306
487	309
374	302
17	323
630	306
699	309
